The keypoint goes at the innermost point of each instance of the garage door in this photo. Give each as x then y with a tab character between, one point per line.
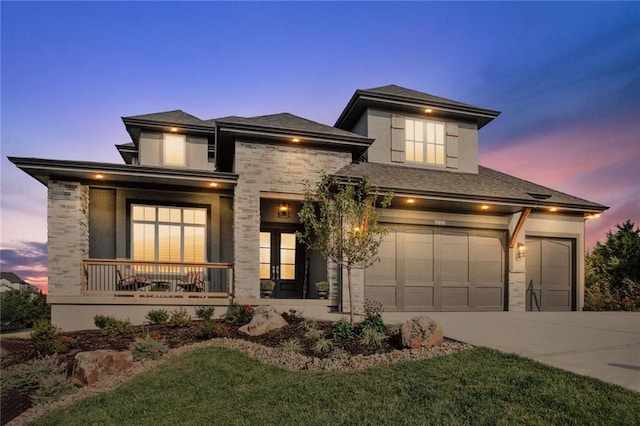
550	275
438	269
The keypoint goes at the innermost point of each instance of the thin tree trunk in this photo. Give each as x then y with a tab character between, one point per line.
350	296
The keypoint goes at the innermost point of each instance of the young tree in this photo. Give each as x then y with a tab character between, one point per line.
613	268
340	221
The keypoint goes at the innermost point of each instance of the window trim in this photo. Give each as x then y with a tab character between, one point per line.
426	143
168	147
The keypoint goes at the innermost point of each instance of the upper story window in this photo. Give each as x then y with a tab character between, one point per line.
174	147
424	141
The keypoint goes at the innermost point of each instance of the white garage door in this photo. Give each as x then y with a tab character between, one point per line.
439	269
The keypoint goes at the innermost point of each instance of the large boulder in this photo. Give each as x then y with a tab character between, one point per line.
265	319
91	367
421	332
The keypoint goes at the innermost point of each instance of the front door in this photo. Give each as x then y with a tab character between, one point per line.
282	260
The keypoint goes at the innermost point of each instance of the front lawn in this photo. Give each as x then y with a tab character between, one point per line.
480	386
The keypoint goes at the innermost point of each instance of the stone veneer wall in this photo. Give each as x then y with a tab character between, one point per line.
68	236
269	168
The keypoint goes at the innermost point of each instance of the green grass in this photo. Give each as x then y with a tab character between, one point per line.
480	386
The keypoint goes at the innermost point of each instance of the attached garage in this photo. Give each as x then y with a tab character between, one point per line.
425	268
550	282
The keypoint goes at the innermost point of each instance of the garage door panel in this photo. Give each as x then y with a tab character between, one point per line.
488	298
453	253
455	298
556	300
384	272
486	263
419	298
418	258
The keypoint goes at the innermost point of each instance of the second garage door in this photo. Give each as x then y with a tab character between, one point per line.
439	269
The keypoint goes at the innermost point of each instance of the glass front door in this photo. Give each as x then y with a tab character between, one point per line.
282	260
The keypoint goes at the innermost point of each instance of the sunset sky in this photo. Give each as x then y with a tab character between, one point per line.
566	77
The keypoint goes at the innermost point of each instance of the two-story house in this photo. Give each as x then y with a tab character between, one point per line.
202	210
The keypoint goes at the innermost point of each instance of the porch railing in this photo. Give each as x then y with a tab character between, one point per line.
127	278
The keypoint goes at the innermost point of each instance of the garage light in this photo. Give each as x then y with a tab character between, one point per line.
173	129
592	216
411	201
296	140
283	209
484	207
99	176
521	249
428	110
553	209
213	184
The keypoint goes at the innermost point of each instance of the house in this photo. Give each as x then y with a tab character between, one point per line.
202	210
10	281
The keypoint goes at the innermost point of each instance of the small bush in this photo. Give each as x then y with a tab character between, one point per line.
372	309
157	316
205	312
111	326
52	388
375	323
239	314
293	316
341	329
313	334
148	347
339	353
291	345
210	330
27	376
370	336
101	320
49	338
179	318
323	346
308	324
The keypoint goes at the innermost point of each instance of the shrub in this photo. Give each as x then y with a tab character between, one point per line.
148	347
22	309
111	326
101	320
291	345
374	323
52	388
370	336
49	338
157	316
339	353
211	330
308	324
179	318
26	377
341	329
372	309
239	314
293	316
323	346
205	312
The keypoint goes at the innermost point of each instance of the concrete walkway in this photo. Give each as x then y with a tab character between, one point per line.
604	345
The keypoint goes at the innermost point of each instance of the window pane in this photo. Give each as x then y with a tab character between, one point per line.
174	149
419	156
431	153
408	128
265	273
409	151
439	134
288	241
439	154
265	239
200	216
419	132
288	256
287	272
137	212
143	237
265	255
169	243
194	244
431	129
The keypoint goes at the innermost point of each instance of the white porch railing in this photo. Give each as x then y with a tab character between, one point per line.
127	278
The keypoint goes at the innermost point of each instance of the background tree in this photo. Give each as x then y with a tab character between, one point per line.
22	308
341	222
613	271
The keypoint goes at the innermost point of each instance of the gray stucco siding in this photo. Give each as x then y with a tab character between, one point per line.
196	155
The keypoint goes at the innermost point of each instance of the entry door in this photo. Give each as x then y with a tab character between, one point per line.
282	260
550	276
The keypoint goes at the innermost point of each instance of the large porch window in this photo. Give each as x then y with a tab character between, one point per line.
168	234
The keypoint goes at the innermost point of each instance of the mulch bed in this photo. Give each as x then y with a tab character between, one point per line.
19	350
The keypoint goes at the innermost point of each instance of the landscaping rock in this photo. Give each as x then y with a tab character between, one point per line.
91	367
265	319
421	332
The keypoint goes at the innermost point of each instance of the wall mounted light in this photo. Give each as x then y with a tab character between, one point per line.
283	210
521	249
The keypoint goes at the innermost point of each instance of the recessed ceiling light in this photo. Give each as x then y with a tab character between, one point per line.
553	209
484	207
213	184
174	129
428	110
295	140
411	201
99	176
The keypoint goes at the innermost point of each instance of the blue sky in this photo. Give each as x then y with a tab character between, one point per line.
566	77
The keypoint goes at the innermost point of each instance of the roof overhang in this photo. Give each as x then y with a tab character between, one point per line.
44	170
363	99
135	126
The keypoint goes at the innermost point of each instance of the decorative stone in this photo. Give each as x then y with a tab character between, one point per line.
421	332
91	367
265	319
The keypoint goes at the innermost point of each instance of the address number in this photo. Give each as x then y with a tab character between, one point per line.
440	222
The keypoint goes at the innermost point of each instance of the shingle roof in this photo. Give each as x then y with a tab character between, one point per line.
11	277
409	94
170	117
287	121
488	184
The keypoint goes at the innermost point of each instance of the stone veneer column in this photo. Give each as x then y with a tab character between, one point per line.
517	270
68	236
274	169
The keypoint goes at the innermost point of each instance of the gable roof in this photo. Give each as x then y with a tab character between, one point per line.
175	117
11	277
487	186
397	98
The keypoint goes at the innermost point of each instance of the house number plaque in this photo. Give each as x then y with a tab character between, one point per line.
440	222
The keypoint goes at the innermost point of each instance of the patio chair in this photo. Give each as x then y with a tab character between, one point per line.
192	282
131	282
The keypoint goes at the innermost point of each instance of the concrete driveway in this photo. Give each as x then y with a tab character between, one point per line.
605	345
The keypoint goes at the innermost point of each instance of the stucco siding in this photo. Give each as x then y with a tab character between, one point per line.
196	155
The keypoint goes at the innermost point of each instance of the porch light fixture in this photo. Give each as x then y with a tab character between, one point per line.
428	110
213	184
484	207
553	209
283	209
296	140
173	129
411	201
99	176
521	249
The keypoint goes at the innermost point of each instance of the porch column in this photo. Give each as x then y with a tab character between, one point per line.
517	266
